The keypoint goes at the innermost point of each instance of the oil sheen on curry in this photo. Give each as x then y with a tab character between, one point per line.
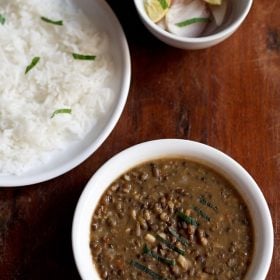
171	219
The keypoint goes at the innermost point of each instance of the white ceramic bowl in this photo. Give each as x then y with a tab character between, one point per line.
63	161
207	155
238	12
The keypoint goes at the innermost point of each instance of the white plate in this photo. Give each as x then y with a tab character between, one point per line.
63	161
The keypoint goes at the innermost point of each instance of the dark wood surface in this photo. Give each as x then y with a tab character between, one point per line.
227	96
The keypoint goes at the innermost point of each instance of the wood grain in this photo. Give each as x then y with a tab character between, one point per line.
227	96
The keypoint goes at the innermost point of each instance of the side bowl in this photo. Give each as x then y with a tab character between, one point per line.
238	12
131	157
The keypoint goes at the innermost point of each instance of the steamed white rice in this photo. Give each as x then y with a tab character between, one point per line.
27	101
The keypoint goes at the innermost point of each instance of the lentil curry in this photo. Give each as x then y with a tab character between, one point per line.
171	219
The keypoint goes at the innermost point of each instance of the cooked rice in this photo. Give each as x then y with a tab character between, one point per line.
27	101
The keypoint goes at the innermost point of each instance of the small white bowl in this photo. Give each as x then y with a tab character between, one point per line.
238	12
129	158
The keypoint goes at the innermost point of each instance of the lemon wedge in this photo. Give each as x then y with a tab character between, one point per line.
214	2
156	9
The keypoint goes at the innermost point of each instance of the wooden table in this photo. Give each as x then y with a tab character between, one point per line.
227	96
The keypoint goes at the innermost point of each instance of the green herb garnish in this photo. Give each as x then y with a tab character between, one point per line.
2	19
191	21
34	61
189	220
201	213
56	22
163	4
159	258
83	57
178	237
170	245
203	201
148	271
61	111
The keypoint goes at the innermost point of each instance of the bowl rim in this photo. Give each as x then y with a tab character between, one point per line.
25	180
186	146
205	39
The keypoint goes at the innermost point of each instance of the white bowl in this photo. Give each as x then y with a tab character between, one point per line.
223	164
238	12
63	161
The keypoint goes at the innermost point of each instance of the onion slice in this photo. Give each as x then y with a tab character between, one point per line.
219	12
184	10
